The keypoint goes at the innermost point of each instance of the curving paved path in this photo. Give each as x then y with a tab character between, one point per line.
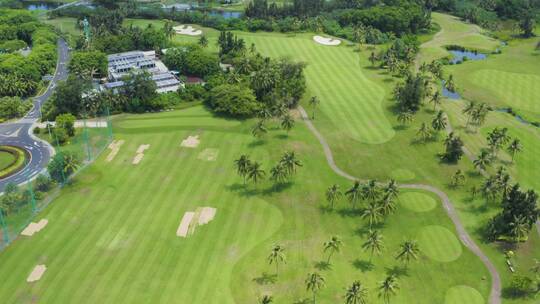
495	294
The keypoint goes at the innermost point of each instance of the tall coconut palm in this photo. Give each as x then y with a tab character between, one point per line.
356	294
405	117
391	189
276	256
387	204
333	193
468	110
371	191
290	162
266	299
372	58
313	103
519	228
483	160
514	148
372	213
259	129
314	283
436	99
408	251
458	178
243	165
388	287
332	246
354	194
374	243
255	172
287	123
278	174
450	84
439	121
424	132
203	41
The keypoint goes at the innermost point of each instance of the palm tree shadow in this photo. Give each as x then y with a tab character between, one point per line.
325	209
398	271
363	265
256	143
349	212
282	136
323	265
277	188
266	279
303	301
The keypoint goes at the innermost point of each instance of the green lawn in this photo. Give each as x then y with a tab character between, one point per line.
111	235
6	159
65	24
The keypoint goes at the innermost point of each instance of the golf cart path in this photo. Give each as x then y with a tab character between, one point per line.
495	293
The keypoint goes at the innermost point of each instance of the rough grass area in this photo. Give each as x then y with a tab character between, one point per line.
6	159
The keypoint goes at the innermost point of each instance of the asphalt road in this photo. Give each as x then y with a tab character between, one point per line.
19	133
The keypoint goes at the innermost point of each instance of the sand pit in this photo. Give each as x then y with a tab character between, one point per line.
187	30
208	154
326	41
114	147
36	274
140	154
190	220
190	142
34	227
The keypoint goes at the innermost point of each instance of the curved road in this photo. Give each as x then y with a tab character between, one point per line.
495	294
19	133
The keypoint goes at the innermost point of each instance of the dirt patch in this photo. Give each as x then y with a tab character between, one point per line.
140	154
114	147
190	142
34	227
190	220
36	274
208	154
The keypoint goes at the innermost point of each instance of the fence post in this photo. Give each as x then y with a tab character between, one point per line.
4	227
86	139
109	124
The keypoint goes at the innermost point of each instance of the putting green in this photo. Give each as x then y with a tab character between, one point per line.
417	201
439	244
463	294
402	175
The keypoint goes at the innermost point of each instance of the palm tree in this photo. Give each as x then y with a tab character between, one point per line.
356	294
290	162
287	123
436	99
391	189
264	114
332	246
255	172
405	117
242	166
515	147
333	193
313	103
278	174
388	205
372	213
388	287
519	228
168	29
439	122
483	160
203	41
449	84
408	251
259	129
314	283
489	189
71	163
458	178
276	256
266	299
374	243
372	58
424	132
354	193
371	191
468	110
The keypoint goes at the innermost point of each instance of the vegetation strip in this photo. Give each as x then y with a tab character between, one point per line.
20	156
495	294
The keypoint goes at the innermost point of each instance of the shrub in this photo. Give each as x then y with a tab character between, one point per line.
233	100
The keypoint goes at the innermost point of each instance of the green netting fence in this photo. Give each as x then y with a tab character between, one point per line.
21	204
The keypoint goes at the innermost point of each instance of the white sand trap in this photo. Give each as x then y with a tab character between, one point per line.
34	227
208	154
326	41
140	154
187	30
36	274
190	142
115	148
206	215
183	229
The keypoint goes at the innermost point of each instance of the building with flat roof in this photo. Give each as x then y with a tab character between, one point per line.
122	64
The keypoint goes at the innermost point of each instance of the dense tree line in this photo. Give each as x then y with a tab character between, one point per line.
20	75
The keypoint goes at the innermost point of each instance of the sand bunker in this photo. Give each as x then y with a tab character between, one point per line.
187	30
34	227
114	147
190	142
208	154
140	154
190	220
36	274
326	41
